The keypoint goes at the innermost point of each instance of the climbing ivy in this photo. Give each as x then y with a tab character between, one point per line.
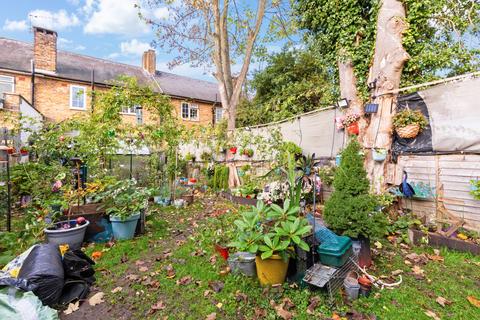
441	38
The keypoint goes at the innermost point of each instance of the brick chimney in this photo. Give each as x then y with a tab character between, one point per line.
45	49
149	63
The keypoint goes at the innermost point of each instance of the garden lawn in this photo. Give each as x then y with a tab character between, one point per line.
172	272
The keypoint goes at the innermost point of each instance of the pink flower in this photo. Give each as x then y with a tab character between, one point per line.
339	123
57	185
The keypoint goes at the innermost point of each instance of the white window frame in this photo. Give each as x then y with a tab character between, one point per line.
131	111
12	82
217	120
190	107
84	97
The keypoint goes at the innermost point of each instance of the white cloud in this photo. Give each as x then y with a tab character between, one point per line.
67	44
12	25
114	17
64	41
53	20
161	13
134	47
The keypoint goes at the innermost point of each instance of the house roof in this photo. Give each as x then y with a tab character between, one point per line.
16	55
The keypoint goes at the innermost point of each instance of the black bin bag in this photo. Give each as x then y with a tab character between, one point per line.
43	271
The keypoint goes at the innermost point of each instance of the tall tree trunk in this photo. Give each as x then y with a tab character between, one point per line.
389	58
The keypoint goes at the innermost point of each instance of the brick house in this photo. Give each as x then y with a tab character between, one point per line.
57	83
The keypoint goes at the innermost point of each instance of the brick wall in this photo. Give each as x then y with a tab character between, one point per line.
52	99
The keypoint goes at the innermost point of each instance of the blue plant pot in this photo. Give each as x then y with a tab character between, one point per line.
124	229
338	160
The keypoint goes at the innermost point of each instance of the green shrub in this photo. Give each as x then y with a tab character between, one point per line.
351	210
220	178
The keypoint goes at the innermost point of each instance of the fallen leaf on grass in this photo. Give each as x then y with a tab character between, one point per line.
435	257
442	301
97	298
225	271
211	316
72	307
239	296
170	271
132	277
313	304
96	255
474	301
213	260
160	305
418	272
431	314
139	263
207	292
335	316
143	269
184	280
219	305
216	286
397	272
378	245
117	289
260	313
124	258
417	258
283	309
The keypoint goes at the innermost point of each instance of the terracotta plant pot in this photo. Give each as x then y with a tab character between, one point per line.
223	251
408	132
353	129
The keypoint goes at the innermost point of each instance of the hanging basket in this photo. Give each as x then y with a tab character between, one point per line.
408	132
353	129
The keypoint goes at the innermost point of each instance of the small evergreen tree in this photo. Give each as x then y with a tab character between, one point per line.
351	210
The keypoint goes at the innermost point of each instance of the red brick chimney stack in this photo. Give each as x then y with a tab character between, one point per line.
149	63
45	49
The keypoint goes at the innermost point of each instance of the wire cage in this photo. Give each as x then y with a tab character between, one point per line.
330	278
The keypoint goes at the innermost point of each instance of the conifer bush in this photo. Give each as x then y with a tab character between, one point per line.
351	210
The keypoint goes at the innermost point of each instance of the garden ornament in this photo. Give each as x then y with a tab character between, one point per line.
405	187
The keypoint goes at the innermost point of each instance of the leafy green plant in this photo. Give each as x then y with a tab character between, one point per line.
124	199
351	210
271	229
326	174
206	156
408	116
475	189
289	212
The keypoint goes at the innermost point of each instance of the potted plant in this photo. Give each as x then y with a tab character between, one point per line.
190	157
350	121
24	151
379	154
409	123
206	156
270	232
123	202
248	152
70	231
351	210
233	150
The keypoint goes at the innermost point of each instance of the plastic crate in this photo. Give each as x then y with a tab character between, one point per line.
335	253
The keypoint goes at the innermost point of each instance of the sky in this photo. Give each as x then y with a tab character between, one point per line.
109	29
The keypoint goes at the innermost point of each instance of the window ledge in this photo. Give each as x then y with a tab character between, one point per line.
78	109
